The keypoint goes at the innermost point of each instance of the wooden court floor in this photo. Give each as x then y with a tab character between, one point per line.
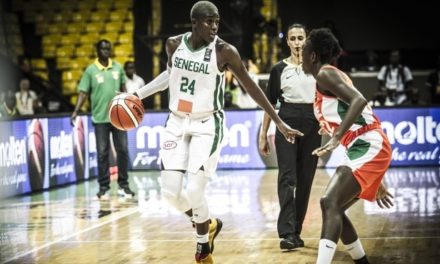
69	225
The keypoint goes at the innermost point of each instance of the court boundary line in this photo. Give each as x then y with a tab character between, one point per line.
236	240
108	221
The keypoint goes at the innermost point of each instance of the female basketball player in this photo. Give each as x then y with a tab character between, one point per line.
197	61
343	113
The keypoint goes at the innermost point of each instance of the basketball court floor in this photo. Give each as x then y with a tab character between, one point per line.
69	225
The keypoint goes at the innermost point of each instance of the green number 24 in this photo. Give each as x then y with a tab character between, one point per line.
186	86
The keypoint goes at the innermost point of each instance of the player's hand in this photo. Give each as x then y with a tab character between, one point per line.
73	118
330	146
322	131
383	197
263	145
288	132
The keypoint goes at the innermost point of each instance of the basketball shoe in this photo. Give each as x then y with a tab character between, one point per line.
126	192
203	255
215	226
103	194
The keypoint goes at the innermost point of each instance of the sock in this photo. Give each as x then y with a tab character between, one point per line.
202	238
355	249
326	251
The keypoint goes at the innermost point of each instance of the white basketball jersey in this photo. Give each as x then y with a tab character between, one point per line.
196	85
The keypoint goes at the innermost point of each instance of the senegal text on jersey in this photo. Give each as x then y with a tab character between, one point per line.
189	65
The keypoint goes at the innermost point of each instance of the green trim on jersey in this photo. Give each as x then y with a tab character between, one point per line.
188	45
102	84
342	111
218	93
358	149
218	137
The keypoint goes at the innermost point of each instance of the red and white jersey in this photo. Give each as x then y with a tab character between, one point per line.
330	111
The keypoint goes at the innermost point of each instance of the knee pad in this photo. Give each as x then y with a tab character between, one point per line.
171	182
196	196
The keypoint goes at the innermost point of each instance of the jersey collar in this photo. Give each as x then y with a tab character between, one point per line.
102	67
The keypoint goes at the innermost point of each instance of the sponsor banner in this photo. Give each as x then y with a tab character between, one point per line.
145	141
414	134
91	153
61	160
240	145
13	159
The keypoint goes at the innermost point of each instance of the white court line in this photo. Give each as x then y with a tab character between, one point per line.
231	240
126	213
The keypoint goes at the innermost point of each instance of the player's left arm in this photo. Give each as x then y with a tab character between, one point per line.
331	81
229	58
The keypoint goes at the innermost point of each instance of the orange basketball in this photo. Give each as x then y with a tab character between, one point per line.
126	111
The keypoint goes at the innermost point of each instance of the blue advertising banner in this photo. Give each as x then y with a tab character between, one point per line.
61	160
240	145
91	153
145	141
414	134
13	159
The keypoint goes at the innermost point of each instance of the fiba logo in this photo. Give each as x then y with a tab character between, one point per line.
36	155
79	148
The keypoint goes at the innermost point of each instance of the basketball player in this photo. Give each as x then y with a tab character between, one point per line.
194	130
343	114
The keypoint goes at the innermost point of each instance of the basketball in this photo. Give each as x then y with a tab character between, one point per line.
126	111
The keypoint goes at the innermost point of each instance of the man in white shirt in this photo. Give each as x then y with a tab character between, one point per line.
26	98
133	81
395	80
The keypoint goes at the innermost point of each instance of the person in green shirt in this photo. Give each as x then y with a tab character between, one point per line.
102	80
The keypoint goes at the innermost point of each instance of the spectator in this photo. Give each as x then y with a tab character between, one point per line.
102	80
244	100
433	84
8	107
26	99
229	101
395	83
371	59
133	81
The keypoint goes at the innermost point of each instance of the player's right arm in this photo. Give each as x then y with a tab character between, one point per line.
84	89
160	83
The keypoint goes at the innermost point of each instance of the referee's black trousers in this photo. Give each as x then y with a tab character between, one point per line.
296	166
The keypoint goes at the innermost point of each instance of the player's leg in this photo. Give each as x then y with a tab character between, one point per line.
121	146
306	172
342	189
204	152
287	183
174	158
351	241
102	134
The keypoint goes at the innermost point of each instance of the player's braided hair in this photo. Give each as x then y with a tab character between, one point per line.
324	44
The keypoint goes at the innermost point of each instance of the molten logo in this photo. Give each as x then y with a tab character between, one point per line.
425	130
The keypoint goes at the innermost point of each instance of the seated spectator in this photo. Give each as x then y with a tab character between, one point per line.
26	99
371	61
8	107
132	80
395	83
228	101
244	100
433	84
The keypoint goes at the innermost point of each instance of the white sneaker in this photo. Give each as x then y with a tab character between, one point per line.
126	192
